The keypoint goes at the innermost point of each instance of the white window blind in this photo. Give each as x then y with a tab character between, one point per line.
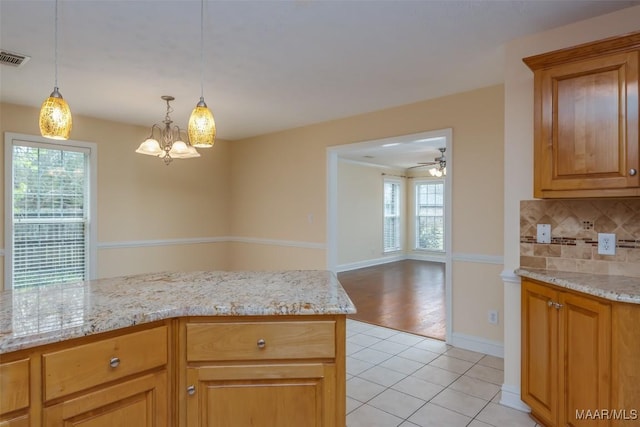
430	215
391	230
50	206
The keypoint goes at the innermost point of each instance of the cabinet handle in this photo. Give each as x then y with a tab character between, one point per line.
262	343
555	305
114	362
191	390
633	172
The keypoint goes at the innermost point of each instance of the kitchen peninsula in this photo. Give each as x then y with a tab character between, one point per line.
195	348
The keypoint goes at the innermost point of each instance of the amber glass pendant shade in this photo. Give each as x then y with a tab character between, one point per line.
202	126
55	117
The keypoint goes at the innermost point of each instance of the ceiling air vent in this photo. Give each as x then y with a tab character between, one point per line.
12	58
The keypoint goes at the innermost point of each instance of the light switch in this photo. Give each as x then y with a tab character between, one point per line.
544	233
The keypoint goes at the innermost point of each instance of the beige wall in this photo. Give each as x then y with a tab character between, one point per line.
141	200
360	198
279	179
519	151
269	194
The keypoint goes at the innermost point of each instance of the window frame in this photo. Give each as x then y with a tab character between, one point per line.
10	140
399	215
416	185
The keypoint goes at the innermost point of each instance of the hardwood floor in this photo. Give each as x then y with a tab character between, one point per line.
405	295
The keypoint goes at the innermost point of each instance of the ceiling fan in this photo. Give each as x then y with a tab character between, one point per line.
440	161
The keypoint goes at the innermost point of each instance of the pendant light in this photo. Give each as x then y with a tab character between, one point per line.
202	126
55	115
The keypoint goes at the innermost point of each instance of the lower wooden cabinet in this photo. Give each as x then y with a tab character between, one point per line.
263	373
283	395
141	401
119	378
14	393
285	371
567	347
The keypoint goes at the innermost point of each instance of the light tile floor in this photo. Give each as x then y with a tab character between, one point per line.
399	379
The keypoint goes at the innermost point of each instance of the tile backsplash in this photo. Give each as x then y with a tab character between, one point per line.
575	225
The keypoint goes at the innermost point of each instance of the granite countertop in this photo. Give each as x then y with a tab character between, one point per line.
46	314
614	288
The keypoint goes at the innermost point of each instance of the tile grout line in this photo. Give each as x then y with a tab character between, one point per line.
408	375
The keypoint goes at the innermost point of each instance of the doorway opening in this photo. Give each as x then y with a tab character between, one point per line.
355	223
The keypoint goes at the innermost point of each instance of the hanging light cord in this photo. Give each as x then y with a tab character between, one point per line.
201	49
55	46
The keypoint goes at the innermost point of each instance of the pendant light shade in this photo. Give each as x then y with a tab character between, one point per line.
202	126
55	117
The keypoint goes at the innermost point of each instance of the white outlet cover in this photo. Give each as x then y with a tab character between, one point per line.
606	244
544	233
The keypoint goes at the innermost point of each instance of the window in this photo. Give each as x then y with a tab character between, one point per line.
391	230
50	202
430	215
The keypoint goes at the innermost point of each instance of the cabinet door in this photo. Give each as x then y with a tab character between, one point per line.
139	402
287	395
540	352
587	125
585	340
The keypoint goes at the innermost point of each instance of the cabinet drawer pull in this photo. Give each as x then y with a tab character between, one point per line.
633	172
262	343
191	390
550	303
114	362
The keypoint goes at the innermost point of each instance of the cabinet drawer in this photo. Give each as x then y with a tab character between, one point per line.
14	386
260	340
84	366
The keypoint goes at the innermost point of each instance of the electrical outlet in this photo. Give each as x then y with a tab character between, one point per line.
606	244
492	317
544	233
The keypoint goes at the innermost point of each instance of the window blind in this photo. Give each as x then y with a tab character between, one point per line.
391	227
49	215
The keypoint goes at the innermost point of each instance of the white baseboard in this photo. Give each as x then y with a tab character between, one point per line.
478	344
368	263
511	398
427	257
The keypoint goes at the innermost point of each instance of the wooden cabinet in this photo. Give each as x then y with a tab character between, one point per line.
566	355
112	379
141	401
285	371
586	120
14	393
100	383
263	373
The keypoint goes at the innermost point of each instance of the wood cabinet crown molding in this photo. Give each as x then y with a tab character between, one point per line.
621	43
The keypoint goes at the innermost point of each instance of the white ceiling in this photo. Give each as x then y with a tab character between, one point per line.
269	65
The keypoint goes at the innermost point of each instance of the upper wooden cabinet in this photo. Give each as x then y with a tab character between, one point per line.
586	120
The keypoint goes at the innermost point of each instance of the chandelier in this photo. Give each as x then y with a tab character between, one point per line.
166	141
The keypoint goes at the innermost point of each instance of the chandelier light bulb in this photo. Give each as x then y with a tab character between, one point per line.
150	147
